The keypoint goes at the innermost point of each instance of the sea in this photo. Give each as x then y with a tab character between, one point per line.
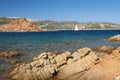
31	44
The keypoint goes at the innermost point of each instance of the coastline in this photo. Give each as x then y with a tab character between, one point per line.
68	66
101	56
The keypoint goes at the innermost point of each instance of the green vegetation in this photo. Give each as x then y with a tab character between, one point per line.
4	20
95	26
70	25
39	23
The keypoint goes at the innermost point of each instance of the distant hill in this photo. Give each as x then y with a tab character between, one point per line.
18	25
70	25
23	25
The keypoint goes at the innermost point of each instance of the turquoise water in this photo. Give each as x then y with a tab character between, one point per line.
30	44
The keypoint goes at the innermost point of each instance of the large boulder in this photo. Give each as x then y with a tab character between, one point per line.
43	67
107	49
9	54
114	38
77	67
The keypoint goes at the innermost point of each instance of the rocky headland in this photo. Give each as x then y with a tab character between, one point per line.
98	63
83	64
20	25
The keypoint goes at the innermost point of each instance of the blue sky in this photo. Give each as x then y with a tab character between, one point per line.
63	10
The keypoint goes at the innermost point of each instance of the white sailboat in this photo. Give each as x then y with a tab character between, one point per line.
76	28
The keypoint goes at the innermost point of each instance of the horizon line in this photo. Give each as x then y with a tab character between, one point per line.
33	19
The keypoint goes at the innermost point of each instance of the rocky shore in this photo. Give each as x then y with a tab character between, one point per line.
98	63
83	64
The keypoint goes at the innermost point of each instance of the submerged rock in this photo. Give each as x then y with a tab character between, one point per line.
107	49
9	54
70	43
14	61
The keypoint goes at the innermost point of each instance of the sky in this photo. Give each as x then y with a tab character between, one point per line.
63	10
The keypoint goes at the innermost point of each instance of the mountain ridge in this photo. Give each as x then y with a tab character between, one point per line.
70	25
62	25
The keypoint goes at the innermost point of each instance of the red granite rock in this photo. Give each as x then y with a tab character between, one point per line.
20	25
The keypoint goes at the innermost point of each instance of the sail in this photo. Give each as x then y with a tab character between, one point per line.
76	28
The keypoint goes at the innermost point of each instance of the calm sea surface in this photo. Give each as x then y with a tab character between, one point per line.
30	44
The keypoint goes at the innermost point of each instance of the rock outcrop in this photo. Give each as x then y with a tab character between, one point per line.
114	38
107	69
55	66
83	64
20	25
85	60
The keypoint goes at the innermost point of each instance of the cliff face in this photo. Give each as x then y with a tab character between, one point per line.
20	25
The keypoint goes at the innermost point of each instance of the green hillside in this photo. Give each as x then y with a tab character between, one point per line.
5	20
70	25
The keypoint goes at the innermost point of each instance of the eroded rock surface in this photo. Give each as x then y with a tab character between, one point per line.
55	66
78	66
83	64
107	69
